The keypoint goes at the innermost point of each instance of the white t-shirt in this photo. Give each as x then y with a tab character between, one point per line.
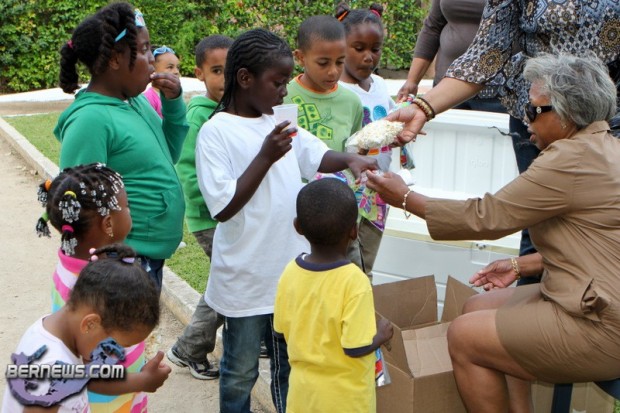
31	341
251	249
377	103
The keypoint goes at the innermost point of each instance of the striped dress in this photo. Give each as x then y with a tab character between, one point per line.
65	276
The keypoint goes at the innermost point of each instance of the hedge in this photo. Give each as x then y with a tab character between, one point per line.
32	31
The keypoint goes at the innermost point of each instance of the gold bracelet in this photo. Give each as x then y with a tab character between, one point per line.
407	214
515	267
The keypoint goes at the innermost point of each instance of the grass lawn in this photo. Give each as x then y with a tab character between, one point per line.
189	263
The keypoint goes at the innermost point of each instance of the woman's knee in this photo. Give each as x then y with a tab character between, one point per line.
474	303
491	300
457	336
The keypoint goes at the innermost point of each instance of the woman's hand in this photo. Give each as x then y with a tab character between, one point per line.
167	83
390	187
408	88
278	142
498	274
414	120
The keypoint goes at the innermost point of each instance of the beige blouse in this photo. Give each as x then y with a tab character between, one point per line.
569	198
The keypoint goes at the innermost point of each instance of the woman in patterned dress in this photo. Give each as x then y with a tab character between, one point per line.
569	26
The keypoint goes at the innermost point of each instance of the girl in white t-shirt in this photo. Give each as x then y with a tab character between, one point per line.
250	170
364	35
95	311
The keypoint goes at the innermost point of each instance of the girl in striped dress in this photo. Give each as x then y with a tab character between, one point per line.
88	205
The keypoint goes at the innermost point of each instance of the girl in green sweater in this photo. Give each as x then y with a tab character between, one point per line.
112	123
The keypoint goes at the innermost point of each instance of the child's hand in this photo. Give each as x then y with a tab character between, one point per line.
407	89
168	84
358	164
154	373
385	331
278	142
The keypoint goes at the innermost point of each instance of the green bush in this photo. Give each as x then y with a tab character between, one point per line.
32	31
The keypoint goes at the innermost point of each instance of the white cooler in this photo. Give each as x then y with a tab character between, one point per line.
463	155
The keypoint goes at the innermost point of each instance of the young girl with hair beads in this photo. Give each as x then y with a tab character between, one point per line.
94	312
250	170
364	36
112	122
88	205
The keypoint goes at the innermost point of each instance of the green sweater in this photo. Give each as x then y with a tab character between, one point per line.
197	214
333	117
129	137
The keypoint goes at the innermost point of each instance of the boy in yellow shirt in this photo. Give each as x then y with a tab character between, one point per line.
324	309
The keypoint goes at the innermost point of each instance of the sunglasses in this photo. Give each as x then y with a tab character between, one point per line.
531	111
162	50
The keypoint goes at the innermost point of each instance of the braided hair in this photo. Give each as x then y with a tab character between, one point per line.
255	50
93	42
74	198
116	287
354	17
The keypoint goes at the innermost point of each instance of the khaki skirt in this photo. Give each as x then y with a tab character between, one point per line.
555	346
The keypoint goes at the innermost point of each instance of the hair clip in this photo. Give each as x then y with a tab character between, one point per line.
71	193
343	15
68	246
93	257
42	228
128	260
70	44
376	12
42	192
139	23
67	228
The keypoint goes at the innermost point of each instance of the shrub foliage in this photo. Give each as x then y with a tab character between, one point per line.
32	31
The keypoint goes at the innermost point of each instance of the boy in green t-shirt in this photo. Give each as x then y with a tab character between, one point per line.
199	336
327	110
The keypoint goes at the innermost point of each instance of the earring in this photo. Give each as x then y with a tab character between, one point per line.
563	125
111	234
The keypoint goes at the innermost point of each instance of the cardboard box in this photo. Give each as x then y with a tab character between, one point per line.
417	355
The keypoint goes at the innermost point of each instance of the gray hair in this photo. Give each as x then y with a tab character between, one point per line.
579	88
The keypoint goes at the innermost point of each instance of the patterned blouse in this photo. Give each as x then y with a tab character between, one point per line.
572	26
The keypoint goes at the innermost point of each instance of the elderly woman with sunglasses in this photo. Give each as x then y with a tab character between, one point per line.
567	328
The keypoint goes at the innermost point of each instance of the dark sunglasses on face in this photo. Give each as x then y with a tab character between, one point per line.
162	50
531	111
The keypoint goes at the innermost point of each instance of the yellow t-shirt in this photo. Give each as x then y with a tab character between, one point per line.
321	310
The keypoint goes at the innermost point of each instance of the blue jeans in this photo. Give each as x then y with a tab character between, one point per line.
239	364
155	269
525	153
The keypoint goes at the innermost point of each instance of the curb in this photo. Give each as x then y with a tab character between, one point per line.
176	294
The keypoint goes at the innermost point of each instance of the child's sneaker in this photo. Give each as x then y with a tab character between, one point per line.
201	371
